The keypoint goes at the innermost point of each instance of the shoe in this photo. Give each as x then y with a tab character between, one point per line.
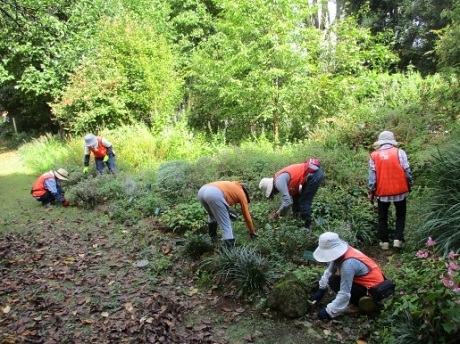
384	245
366	305
398	244
47	205
306	230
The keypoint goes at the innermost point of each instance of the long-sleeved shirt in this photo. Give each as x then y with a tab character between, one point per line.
404	161
233	193
350	268
53	186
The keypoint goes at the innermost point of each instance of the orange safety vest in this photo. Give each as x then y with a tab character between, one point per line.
391	178
298	174
38	189
373	277
100	151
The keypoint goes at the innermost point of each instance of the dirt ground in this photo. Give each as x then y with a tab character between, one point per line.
72	276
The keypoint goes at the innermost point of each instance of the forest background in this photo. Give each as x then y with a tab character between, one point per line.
194	91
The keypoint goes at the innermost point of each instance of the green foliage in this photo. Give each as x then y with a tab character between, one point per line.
443	218
427	305
44	153
447	46
196	245
98	190
184	217
285	241
129	78
243	267
172	180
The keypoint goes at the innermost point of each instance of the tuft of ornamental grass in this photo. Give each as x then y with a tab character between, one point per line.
443	216
243	267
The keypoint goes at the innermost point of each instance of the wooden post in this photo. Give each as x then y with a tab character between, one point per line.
14	125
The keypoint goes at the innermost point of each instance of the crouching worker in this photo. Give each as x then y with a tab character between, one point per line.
47	188
357	274
217	198
103	153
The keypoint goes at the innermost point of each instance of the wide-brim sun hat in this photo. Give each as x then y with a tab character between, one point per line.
266	186
330	247
61	174
90	140
386	137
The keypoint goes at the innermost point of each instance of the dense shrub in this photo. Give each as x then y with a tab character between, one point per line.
172	181
98	190
427	307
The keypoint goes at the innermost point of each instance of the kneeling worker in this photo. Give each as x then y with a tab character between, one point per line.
358	273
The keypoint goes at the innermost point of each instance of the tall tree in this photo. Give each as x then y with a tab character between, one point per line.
412	22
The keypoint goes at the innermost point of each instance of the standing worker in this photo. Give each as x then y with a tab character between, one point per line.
102	151
298	185
390	180
217	198
47	188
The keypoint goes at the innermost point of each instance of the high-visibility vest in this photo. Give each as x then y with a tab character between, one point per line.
38	189
391	178
100	151
373	277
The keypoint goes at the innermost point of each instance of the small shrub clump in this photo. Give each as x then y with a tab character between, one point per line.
196	245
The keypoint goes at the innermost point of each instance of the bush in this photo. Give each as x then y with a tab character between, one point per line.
184	217
173	182
428	303
97	190
196	245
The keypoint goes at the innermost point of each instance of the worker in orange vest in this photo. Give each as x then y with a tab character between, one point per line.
47	188
297	185
390	181
350	275
103	153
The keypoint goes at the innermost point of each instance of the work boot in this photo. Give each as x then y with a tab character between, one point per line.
384	245
212	229
229	243
398	244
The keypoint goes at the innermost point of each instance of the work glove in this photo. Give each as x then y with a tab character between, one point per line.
371	196
65	203
323	314
318	295
106	158
85	169
253	235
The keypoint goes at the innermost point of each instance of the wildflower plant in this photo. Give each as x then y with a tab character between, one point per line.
429	297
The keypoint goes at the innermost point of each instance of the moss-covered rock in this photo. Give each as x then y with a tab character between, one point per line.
290	297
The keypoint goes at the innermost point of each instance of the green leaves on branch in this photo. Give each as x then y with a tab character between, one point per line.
129	78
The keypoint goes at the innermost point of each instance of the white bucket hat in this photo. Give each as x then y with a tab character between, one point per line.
386	137
61	174
266	186
90	140
330	247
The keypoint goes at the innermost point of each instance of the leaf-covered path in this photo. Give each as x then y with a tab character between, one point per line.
69	276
